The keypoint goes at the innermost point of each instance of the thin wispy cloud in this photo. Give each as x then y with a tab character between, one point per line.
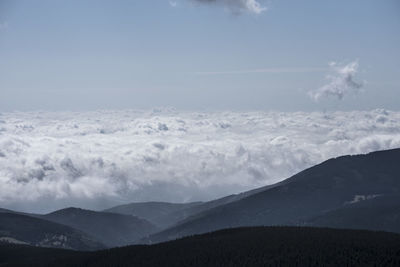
173	3
264	70
237	6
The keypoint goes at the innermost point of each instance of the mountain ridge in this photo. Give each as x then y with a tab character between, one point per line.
323	187
17	228
111	229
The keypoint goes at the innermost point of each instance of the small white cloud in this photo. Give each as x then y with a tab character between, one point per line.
341	82
254	6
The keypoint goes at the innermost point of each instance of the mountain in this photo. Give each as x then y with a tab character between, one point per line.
7	211
255	246
22	229
182	215
18	212
328	186
376	213
358	192
165	214
162	214
109	228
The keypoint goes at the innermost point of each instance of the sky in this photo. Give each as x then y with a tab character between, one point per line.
199	55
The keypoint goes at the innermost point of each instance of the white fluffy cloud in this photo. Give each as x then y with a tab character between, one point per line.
92	159
341	82
252	6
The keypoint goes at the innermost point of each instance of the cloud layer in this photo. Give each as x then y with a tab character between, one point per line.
341	82
97	159
237	6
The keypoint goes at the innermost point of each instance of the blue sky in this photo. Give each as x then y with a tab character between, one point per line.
84	55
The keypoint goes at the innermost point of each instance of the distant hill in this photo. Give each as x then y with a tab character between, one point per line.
256	246
22	229
18	212
182	215
8	211
162	214
328	186
109	228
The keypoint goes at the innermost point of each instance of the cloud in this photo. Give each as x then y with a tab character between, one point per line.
173	3
341	82
237	6
98	159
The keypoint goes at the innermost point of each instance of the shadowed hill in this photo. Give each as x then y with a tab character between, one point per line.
165	214
109	228
162	214
19	229
378	213
328	186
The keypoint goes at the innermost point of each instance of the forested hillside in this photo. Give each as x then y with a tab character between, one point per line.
257	246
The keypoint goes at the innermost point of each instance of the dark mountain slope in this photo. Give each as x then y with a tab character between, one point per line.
165	214
8	211
310	193
17	228
19	212
110	228
258	246
162	214
379	213
182	215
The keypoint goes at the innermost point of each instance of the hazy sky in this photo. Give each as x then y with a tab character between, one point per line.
192	54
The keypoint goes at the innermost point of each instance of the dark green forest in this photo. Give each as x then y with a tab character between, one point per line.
249	246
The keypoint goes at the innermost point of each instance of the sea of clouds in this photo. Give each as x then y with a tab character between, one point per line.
98	159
